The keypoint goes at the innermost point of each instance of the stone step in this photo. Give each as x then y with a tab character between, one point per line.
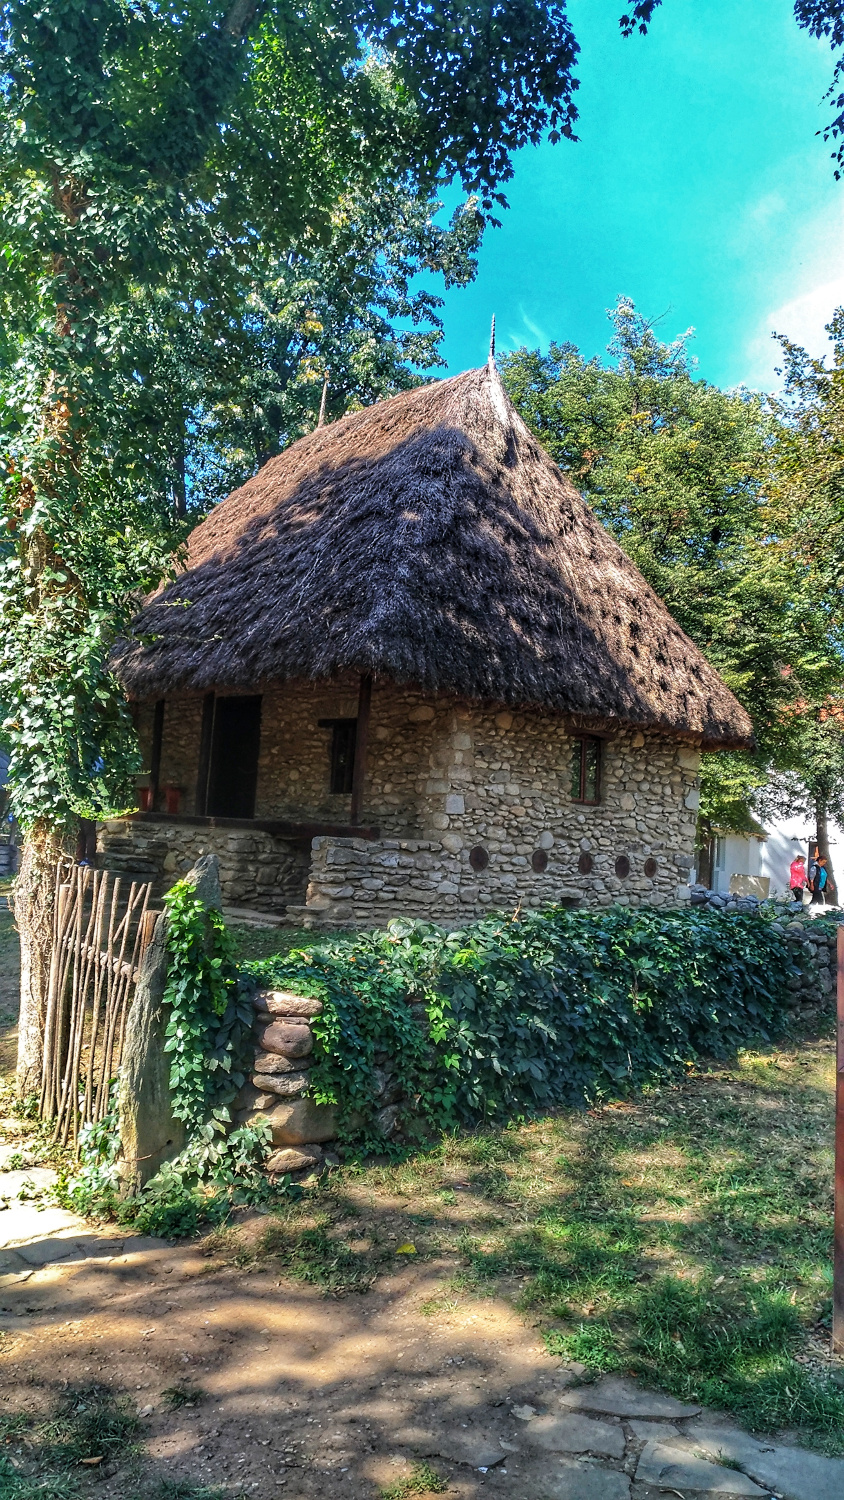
243	916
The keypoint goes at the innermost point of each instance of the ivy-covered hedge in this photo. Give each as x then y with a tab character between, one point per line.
518	1014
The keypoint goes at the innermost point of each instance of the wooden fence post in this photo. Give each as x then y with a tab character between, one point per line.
838	1258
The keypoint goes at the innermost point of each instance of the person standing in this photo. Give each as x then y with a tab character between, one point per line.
819	884
797	877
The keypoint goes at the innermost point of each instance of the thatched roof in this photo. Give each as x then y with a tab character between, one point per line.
431	540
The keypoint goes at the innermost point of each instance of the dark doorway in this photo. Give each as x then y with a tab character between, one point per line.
233	769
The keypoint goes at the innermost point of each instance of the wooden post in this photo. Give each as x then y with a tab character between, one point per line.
361	745
155	758
206	736
838	1261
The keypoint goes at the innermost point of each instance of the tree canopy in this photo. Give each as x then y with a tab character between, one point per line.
167	171
685	476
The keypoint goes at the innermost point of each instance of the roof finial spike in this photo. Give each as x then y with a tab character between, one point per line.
492	339
322	402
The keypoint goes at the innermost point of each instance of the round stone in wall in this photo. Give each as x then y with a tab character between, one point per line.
539	860
651	868
478	857
584	864
622	867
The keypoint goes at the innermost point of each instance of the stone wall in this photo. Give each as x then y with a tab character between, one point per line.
812	930
257	870
501	829
444	778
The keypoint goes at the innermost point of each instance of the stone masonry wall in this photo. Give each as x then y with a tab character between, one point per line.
500	783
257	871
443	778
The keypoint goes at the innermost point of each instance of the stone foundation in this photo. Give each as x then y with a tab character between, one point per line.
257	870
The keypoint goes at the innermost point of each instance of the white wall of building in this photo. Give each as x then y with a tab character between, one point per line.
736	854
790	836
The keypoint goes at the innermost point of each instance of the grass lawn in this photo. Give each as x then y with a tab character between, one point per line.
685	1237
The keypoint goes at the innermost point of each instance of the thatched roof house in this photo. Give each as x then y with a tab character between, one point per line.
431	539
428	550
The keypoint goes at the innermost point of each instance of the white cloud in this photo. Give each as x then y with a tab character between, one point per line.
806	286
803	320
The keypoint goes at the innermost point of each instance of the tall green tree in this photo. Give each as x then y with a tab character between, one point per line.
684	475
327	327
152	155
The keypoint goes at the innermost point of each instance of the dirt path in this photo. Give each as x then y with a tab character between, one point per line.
283	1392
304	1395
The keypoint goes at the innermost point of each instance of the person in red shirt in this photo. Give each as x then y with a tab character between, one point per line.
797	877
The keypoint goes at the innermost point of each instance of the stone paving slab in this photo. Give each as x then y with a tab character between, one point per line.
653	1432
623	1398
39	1178
671	1467
792	1472
576	1480
476	1447
23	1223
576	1434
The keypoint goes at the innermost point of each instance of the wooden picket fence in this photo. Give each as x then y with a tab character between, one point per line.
100	934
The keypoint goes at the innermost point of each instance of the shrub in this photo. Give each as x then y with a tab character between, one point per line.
517	1014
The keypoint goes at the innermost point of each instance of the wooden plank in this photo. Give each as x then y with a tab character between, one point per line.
361	746
838	1253
206	738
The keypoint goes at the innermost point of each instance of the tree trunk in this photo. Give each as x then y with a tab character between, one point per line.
32	903
822	840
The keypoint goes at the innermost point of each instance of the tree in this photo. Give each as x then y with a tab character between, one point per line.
683	474
152	156
815	786
349	314
807	513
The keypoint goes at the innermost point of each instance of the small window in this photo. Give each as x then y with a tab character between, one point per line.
586	770
343	736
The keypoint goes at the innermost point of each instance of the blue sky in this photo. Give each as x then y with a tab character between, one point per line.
698	188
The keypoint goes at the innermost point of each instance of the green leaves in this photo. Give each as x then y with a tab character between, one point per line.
691	481
209	1024
523	1014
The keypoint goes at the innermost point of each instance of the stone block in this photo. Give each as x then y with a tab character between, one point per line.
301	1121
287	1085
455	804
274	1062
284	1003
289	1159
288	1040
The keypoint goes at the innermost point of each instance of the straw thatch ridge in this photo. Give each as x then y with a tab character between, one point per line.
431	540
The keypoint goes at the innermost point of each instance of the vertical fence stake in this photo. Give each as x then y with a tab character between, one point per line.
838	1261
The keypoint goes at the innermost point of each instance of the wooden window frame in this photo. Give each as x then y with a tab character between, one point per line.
580	744
348	729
